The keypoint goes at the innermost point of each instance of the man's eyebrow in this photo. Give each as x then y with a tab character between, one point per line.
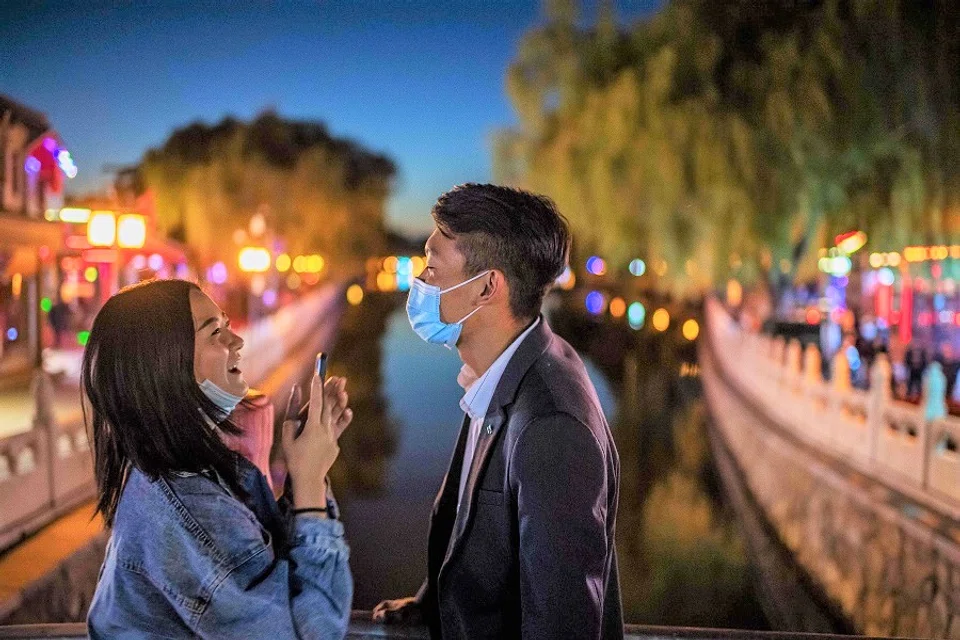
208	321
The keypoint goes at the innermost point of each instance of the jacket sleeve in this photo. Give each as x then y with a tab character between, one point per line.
558	473
307	595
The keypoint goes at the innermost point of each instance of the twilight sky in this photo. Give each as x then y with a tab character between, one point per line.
420	81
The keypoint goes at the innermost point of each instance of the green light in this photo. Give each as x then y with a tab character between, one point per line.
636	314
46	304
82	337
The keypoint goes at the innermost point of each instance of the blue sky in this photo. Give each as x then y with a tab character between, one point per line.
420	81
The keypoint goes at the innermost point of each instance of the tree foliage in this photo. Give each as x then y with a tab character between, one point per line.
320	193
730	136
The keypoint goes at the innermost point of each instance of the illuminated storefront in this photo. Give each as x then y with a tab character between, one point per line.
33	168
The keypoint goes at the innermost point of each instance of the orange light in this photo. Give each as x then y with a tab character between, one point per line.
300	264
390	264
417	265
618	307
102	229
100	255
283	263
386	281
813	316
851	242
734	293
131	231
355	294
691	329
661	319
77	242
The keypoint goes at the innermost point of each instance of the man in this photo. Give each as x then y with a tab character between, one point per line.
521	540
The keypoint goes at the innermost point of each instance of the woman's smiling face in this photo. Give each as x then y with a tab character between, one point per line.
216	351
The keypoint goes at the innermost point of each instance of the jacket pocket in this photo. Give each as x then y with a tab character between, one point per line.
488	496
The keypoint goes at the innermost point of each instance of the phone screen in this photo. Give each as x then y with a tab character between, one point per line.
322	365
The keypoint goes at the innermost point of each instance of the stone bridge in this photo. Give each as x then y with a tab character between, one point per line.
849	500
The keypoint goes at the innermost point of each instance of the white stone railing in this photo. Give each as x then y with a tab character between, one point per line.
48	470
882	437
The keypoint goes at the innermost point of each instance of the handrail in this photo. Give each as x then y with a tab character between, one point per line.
362	627
884	438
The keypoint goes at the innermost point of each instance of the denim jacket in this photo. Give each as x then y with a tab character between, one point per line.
187	558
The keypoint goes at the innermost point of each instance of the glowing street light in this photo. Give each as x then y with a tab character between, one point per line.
102	229
618	307
597	266
355	294
254	260
131	231
636	314
661	319
691	329
74	215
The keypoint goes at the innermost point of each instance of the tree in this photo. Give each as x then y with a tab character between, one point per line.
323	194
726	137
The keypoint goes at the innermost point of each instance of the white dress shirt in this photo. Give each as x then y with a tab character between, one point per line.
476	400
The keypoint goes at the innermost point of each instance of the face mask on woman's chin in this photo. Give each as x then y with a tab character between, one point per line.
224	400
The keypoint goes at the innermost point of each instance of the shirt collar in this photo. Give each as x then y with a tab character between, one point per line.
479	389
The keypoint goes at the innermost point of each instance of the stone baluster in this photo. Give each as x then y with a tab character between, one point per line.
777	347
840	372
45	422
878	399
934	399
812	372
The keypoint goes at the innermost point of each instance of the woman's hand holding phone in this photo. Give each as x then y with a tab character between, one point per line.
311	455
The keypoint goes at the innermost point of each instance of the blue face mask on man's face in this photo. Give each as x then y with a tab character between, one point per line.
423	310
224	400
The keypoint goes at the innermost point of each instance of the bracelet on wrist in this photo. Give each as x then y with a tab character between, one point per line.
297	512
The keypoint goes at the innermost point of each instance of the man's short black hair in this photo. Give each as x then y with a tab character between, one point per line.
520	233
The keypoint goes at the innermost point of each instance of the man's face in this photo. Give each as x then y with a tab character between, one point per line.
445	269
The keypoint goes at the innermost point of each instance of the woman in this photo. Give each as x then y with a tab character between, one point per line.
199	547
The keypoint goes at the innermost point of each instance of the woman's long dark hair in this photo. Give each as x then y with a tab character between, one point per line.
146	408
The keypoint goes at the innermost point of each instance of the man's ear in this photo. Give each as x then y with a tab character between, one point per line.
494	284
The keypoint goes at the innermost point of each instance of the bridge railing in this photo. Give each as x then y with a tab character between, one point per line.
48	470
362	628
883	437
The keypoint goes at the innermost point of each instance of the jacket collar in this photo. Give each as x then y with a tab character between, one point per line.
533	346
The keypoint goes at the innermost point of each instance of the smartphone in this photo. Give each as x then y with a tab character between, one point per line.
322	366
321	370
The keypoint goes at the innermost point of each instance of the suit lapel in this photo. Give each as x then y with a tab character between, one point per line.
533	346
451	485
444	507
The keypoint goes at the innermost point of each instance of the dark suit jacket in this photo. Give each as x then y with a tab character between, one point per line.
531	552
